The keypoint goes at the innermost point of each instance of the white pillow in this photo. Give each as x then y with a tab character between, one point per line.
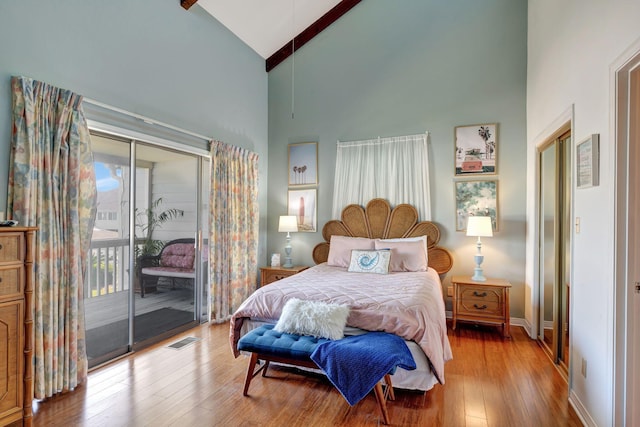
370	261
340	248
316	318
406	255
422	239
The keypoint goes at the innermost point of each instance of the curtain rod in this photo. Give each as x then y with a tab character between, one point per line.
146	119
426	133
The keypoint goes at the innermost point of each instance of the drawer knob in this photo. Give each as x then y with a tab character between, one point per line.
480	307
478	294
0	246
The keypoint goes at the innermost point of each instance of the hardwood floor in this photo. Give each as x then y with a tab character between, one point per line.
490	382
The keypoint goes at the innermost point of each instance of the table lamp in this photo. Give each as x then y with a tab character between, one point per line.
288	223
479	226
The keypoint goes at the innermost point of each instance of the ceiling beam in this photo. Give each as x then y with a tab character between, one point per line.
312	30
187	3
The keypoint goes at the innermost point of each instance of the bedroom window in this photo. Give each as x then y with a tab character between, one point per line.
393	168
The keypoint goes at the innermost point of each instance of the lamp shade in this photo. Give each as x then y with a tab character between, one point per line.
479	226
288	223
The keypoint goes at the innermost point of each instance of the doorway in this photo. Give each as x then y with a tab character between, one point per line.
626	86
149	197
555	245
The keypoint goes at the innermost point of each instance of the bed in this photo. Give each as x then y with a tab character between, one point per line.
407	301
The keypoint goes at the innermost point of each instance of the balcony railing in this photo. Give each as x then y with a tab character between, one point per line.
107	268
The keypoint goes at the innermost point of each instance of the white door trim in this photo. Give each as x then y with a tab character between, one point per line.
624	373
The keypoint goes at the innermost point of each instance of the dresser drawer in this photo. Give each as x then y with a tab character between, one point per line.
485	294
11	281
273	274
480	308
11	248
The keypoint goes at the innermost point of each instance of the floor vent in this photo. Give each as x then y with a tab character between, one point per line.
183	342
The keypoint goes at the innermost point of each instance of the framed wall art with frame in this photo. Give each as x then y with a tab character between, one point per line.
302	204
476	198
476	150
303	163
588	162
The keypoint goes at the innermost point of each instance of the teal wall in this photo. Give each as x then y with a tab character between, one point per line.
399	68
150	57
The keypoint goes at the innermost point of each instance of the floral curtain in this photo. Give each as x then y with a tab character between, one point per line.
394	168
52	186
233	221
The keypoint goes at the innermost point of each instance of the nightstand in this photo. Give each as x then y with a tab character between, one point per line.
481	302
271	274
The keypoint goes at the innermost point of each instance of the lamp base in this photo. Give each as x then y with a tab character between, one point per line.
287	263
478	276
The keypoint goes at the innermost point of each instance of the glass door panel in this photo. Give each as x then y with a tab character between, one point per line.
106	293
548	256
166	224
555	245
565	262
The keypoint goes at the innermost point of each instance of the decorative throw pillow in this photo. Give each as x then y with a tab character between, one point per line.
315	318
422	239
405	255
340	248
370	261
179	255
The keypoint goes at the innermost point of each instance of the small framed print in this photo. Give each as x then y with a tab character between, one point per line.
588	162
302	204
303	163
476	149
476	198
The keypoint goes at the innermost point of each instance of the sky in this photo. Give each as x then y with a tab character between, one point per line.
104	181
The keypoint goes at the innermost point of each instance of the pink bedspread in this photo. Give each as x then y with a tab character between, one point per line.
409	305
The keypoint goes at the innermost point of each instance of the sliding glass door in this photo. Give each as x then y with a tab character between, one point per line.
166	226
148	265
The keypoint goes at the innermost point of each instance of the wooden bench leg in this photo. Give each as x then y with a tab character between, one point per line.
382	403
252	365
389	390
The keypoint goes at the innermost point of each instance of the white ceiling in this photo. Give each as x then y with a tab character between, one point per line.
267	25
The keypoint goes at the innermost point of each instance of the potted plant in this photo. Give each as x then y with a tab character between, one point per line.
147	248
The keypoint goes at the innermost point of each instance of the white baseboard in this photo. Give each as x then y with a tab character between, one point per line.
581	411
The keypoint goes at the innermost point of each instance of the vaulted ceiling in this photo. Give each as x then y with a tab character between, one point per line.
274	28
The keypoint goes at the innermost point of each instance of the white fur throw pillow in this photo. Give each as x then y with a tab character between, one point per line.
315	318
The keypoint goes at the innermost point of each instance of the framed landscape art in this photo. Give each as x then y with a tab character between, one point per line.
476	198
303	163
476	150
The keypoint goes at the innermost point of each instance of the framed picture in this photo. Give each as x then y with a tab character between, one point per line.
476	149
303	163
588	163
302	204
476	198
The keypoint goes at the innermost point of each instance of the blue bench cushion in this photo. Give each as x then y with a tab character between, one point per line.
267	341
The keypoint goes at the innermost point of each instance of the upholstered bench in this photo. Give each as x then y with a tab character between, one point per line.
176	260
264	343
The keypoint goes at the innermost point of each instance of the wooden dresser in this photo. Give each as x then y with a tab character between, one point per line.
16	324
271	274
481	302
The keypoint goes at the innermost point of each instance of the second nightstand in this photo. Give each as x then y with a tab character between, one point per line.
271	274
481	302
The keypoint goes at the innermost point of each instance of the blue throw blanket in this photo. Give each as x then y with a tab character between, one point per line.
356	363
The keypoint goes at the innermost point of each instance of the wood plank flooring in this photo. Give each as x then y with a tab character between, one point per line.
490	382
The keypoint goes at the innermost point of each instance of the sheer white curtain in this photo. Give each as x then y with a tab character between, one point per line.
394	168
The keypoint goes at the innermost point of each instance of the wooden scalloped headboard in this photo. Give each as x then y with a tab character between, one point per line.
378	221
